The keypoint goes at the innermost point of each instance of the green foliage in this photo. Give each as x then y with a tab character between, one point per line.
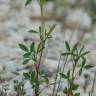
76	55
32	31
91	6
34	52
28	2
23	47
77	94
18	86
40	1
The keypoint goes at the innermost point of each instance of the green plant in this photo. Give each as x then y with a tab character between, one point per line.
78	57
35	52
18	86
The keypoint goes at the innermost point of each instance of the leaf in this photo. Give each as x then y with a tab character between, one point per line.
65	90
32	47
67	45
68	74
26	61
81	50
28	2
49	0
15	81
51	29
40	29
63	75
27	55
32	31
34	58
75	86
88	66
41	34
26	75
80	71
32	76
23	47
83	63
46	80
43	74
74	48
39	47
77	94
68	53
85	53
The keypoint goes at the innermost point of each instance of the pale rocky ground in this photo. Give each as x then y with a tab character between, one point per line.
15	22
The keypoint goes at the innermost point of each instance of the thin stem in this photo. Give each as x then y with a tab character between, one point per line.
56	76
62	72
45	88
93	84
64	63
42	30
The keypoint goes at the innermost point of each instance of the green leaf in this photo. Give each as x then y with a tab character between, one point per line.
65	90
32	47
88	66
80	71
81	50
77	94
51	29
32	76
15	81
26	75
49	0
75	48
43	74
27	55
75	86
26	61
34	58
85	53
68	53
46	80
67	45
83	63
28	2
23	47
68	74
63	75
39	47
41	35
32	31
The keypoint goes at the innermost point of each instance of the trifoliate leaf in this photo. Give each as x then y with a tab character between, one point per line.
23	47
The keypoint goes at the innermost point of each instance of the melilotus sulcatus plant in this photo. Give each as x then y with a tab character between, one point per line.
34	53
78	57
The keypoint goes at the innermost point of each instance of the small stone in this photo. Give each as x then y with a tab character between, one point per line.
78	19
6	76
28	89
51	65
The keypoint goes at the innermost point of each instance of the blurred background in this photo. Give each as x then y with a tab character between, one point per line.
76	22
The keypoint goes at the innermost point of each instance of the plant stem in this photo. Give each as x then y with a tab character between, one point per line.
62	72
42	30
56	76
93	85
66	58
41	53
